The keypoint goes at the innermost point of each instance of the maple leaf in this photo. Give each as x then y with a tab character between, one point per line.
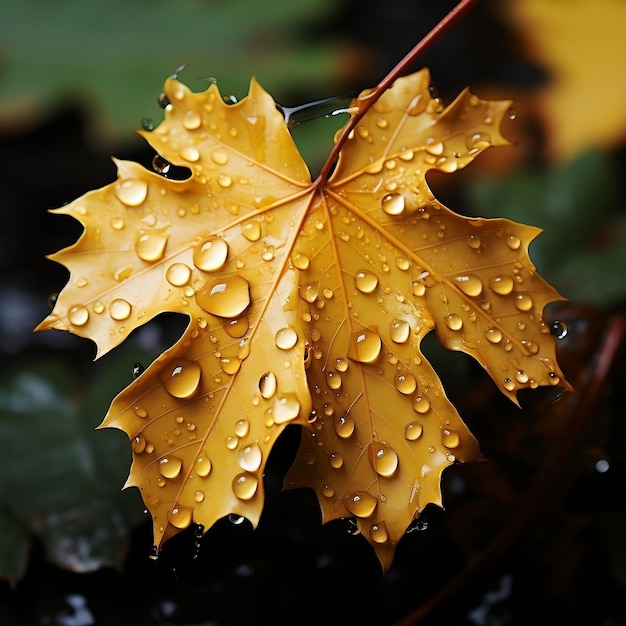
307	301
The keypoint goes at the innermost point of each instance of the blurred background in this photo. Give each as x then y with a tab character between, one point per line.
536	535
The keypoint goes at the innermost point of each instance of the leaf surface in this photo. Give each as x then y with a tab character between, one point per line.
308	301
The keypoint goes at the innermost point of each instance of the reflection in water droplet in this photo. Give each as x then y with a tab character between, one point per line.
365	346
119	309
494	335
365	281
399	331
508	384
150	247
250	458
454	322
181	516
132	192
245	486
420	404
286	338
450	438
383	458
138	369
470	284
225	296
78	315
170	466
361	503
413	431
558	329
344	426
267	385
378	533
210	254
182	378
138	444
393	204
523	301
178	274
405	382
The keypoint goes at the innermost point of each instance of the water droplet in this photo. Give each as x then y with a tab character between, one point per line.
182	378
181	516
399	331
473	241
161	166
250	458
225	296
341	365
328	491
285	409
138	369
333	380
531	346
132	192
251	230
378	533
190	153
52	299
470	284
553	378
138	444
405	383
413	431
344	426
170	466
245	486
521	377
178	274
523	301
300	260
365	346
502	285
242	427
78	315
119	309
335	460
418	288
139	411
198	496
365	281
393	204
434	147
450	438
151	246
237	327
147	123
421	404
310	291
163	101
361	503
230	365
224	180
267	385
383	458
478	141
286	338
558	329
508	384
203	465
454	321
494	335
514	242
192	120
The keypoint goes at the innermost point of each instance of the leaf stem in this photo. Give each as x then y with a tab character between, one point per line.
366	101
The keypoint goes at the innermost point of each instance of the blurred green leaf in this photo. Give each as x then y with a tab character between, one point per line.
115	55
582	251
61	478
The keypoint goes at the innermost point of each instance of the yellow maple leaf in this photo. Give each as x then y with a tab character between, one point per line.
307	303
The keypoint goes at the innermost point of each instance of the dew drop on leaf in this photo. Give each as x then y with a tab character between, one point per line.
150	247
181	516
393	204
245	486
470	284
413	431
421	404
365	346
344	426
131	192
365	281
178	274
513	242
502	285
251	230
558	329
399	331
494	335
78	315
361	503
523	301
285	409
250	457
378	532
383	459
210	254
286	338
203	465
450	438
242	427
138	369
170	466
267	385
225	296
454	321
119	309
182	378
405	383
